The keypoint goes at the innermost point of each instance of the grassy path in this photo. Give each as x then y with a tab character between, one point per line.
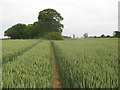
56	80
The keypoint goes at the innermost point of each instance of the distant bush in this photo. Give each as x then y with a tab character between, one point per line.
102	36
52	36
108	36
66	36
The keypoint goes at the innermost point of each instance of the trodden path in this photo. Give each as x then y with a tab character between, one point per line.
56	81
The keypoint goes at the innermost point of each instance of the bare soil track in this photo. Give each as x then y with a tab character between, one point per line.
56	81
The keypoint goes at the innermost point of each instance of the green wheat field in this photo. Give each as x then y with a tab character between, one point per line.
82	63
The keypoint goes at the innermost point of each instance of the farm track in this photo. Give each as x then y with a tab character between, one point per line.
56	81
19	53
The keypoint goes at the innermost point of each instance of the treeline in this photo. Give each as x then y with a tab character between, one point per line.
116	34
48	26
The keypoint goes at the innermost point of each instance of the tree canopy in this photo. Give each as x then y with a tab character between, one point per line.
16	31
116	34
49	20
102	36
85	35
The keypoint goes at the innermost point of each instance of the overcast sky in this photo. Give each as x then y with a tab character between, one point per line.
94	17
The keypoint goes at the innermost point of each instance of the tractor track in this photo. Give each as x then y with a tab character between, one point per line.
56	81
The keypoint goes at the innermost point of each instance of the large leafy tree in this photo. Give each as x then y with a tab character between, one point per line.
50	21
32	30
28	31
16	31
116	34
85	35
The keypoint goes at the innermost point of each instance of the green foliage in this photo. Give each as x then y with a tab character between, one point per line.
116	34
88	63
16	31
28	32
53	36
85	35
102	36
108	36
48	21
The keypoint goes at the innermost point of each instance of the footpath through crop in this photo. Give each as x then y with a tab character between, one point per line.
56	80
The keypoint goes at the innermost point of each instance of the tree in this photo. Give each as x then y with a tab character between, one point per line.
85	35
33	31
28	32
36	30
94	36
108	36
116	34
102	36
50	21
16	31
